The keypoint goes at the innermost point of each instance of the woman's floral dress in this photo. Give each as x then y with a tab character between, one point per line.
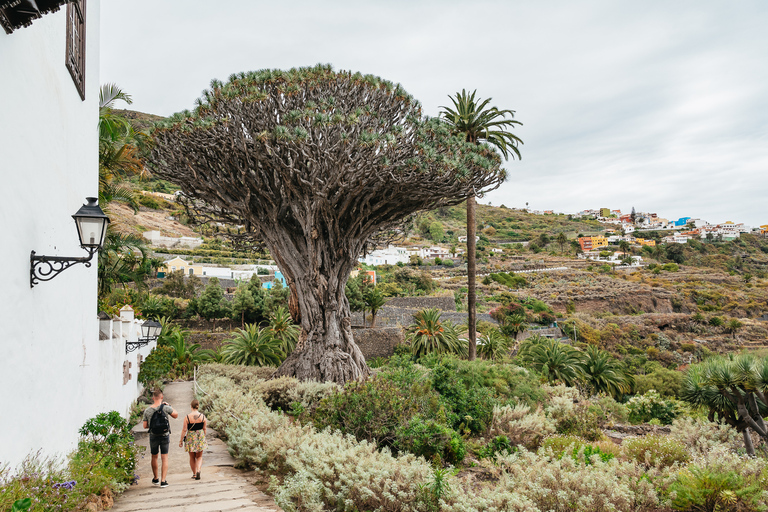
195	440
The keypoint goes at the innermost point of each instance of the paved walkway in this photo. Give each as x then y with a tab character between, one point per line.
221	487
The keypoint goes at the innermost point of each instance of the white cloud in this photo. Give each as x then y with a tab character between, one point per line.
654	105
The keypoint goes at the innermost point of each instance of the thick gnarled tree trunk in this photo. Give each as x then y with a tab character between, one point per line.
326	350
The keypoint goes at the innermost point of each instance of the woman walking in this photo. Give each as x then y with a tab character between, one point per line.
193	438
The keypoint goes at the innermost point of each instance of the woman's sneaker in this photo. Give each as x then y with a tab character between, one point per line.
155	481
163	484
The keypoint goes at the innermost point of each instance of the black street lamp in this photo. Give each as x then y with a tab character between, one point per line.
91	224
150	331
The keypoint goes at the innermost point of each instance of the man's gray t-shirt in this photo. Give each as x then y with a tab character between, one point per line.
149	411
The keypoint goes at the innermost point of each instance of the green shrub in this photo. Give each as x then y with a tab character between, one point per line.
156	367
372	410
470	407
650	406
497	445
432	440
656	450
667	382
716	489
104	463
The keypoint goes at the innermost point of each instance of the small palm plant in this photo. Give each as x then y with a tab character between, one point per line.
603	374
374	301
430	335
282	328
252	346
186	355
557	362
514	324
492	345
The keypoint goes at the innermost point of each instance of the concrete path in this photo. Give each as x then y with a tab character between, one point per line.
221	487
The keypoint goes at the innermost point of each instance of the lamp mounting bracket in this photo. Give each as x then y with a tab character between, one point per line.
45	268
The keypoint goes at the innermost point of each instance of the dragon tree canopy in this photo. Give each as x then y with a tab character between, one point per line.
314	162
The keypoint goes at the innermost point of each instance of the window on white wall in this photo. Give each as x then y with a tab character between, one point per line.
76	44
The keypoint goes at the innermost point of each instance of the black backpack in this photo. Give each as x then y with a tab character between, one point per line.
158	424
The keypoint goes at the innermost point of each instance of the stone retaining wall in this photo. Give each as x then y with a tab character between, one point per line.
378	342
441	303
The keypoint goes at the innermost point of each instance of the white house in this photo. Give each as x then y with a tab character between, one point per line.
54	370
433	252
392	255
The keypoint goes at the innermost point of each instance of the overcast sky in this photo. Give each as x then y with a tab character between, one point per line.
658	105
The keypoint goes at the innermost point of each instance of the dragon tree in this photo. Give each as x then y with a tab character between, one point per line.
314	163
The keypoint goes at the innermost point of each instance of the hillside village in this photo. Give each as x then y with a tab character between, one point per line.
228	285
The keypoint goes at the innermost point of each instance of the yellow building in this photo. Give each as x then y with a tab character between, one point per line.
178	264
599	241
605	212
643	241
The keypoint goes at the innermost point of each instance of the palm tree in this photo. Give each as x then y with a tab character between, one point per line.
514	324
186	355
428	335
252	346
492	345
625	247
282	328
603	374
561	241
119	262
374	301
478	124
556	361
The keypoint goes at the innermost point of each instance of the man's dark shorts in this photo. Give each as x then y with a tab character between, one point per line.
159	443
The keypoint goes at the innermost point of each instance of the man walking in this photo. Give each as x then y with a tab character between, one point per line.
156	420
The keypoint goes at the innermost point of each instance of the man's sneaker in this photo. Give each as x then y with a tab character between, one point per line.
163	484
155	481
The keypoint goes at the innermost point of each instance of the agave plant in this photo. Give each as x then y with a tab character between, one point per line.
492	345
253	346
430	335
556	361
282	328
603	374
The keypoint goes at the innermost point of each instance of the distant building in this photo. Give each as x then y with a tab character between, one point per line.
278	278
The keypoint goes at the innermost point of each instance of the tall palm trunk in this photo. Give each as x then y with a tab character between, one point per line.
471	278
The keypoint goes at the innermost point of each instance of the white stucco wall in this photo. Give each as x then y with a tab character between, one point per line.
53	366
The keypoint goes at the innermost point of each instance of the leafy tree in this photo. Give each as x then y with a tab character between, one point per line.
436	231
282	328
557	362
176	284
733	390
243	303
313	163
603	374
252	346
354	293
476	123
430	335
212	304
676	253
